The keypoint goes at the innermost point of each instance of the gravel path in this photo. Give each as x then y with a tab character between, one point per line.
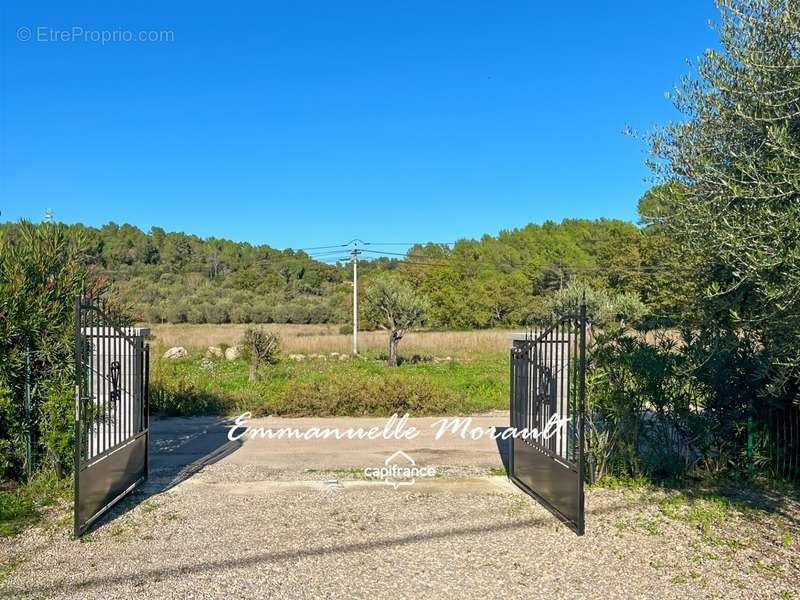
233	530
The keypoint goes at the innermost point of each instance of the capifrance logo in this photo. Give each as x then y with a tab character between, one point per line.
399	469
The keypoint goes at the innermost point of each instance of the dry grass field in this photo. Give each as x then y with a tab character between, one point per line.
311	339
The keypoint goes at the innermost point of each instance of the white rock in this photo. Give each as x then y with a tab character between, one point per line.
233	353
344	356
214	351
176	352
297	357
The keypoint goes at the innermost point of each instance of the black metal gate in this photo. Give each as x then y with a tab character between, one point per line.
111	411
548	370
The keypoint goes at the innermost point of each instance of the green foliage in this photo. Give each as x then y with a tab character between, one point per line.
735	160
603	309
332	388
337	393
395	306
57	426
505	280
392	304
19	507
644	410
181	388
259	347
180	278
12	441
41	273
492	282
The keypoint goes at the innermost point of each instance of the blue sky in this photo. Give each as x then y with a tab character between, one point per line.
307	123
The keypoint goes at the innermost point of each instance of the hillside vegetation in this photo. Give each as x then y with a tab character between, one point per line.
497	281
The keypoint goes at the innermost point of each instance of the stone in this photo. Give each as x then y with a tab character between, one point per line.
297	357
233	353
176	352
215	352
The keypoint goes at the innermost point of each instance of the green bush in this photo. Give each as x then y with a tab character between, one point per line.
41	273
378	395
12	442
57	426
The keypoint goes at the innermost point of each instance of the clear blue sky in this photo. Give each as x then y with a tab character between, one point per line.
307	123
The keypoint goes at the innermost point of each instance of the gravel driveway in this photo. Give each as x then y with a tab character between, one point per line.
233	529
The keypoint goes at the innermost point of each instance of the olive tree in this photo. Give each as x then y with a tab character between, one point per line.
259	347
736	158
394	306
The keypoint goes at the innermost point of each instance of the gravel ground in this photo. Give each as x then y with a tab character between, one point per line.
233	531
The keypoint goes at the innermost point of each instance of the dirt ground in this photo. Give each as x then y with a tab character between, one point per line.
267	520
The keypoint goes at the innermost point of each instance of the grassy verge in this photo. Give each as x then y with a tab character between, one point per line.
353	387
21	506
712	506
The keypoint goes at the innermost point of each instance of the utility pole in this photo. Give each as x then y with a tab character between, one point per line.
354	253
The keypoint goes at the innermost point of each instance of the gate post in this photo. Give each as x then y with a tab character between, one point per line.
77	443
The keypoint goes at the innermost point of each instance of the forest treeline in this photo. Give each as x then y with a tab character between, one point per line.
496	281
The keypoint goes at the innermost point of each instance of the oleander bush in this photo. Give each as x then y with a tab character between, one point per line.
41	273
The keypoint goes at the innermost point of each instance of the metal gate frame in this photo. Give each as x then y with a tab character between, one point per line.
111	410
548	377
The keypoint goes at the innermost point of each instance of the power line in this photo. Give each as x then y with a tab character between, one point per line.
359	241
327	253
409	243
319	247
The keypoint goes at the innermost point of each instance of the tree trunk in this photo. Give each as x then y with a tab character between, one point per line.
253	367
393	340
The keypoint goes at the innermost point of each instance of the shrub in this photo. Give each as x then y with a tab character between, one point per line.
345	393
56	429
41	273
11	438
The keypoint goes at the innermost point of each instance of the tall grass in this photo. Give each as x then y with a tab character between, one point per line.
317	339
21	506
356	387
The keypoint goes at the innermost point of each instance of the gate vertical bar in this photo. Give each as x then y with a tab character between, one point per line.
146	408
582	417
